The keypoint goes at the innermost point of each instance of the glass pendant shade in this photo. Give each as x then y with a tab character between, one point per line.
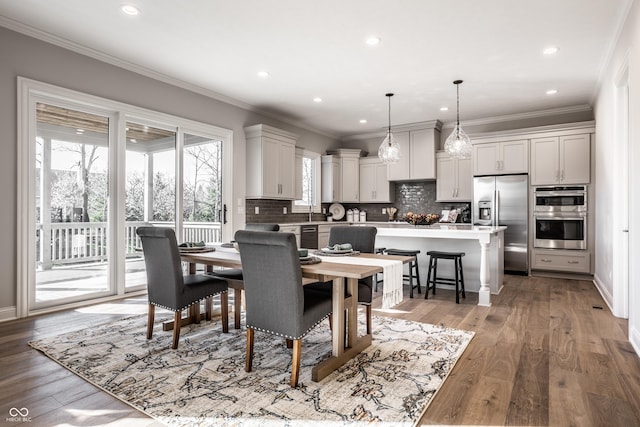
458	143
389	151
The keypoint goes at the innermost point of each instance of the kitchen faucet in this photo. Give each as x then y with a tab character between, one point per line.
310	213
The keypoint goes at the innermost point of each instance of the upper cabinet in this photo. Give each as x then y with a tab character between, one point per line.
498	158
455	181
270	163
561	160
341	176
374	185
417	153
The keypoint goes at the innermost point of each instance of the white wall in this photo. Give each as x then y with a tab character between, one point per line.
626	54
27	57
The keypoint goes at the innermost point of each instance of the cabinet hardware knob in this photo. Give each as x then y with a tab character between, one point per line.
573	262
545	260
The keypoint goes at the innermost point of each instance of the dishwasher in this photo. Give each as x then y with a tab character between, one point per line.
309	236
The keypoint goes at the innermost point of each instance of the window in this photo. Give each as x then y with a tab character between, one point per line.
307	181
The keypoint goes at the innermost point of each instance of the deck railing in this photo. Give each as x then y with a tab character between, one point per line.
75	242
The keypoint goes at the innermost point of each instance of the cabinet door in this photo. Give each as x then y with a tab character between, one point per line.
446	180
270	174
382	188
286	170
485	159
423	154
400	171
575	159
514	157
368	182
350	179
545	167
464	180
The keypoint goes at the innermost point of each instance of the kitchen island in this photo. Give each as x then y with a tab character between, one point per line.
483	263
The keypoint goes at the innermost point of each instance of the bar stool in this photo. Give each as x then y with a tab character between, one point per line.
413	266
432	280
379	251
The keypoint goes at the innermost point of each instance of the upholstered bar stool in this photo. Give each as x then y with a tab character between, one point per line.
432	274
413	268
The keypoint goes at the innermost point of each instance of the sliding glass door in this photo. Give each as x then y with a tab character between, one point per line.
71	205
90	172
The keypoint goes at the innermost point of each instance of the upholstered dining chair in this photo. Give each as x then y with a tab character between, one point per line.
362	239
168	287
233	276
276	300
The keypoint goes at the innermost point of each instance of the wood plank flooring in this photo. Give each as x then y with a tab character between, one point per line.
542	356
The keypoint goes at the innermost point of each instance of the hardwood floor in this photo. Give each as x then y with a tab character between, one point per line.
547	353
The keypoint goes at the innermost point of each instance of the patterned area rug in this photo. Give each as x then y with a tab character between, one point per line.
203	382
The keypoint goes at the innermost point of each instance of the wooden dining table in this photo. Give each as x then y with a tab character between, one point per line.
345	345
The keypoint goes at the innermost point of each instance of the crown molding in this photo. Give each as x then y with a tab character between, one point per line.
432	124
521	116
33	32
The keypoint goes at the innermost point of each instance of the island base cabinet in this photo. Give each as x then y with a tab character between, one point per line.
561	261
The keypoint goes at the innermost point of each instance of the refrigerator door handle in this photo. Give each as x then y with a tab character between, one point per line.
496	216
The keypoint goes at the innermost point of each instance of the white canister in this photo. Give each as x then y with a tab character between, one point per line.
349	215
363	216
356	215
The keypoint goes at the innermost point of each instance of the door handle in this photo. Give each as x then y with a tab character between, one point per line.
224	214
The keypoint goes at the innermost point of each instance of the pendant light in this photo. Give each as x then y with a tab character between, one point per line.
458	143
389	151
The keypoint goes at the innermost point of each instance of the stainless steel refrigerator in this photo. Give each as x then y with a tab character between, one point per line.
503	200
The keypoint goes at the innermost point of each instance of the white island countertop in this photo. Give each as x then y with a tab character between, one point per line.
448	231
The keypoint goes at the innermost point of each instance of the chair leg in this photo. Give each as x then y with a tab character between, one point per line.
368	312
455	262
249	354
224	309
417	273
237	306
295	362
426	292
331	322
150	318
461	278
208	307
176	328
410	280
289	343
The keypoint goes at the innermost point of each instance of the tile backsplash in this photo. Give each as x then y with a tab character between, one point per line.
416	197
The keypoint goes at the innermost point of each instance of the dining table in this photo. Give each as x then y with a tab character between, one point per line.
346	342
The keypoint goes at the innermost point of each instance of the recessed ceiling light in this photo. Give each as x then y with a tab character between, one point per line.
444	108
263	74
372	41
551	91
550	50
130	9
317	99
363	121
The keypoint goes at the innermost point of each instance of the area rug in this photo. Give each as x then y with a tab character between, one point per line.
203	382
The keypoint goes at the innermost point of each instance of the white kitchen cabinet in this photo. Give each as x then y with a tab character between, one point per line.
561	260
323	235
295	229
561	160
341	176
374	185
270	163
498	158
454	179
417	154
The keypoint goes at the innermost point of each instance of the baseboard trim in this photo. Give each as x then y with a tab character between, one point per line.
634	339
604	293
8	313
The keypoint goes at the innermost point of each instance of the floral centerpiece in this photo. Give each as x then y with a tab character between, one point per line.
421	218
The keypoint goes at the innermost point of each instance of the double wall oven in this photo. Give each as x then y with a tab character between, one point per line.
560	216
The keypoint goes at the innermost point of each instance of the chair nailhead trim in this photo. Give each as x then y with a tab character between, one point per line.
186	306
288	336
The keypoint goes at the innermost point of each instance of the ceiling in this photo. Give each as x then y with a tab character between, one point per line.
314	48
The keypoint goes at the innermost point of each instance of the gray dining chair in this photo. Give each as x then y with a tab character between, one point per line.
233	276
168	287
362	239
276	300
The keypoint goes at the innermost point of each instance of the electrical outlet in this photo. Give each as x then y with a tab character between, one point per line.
384	211
284	210
324	211
257	210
